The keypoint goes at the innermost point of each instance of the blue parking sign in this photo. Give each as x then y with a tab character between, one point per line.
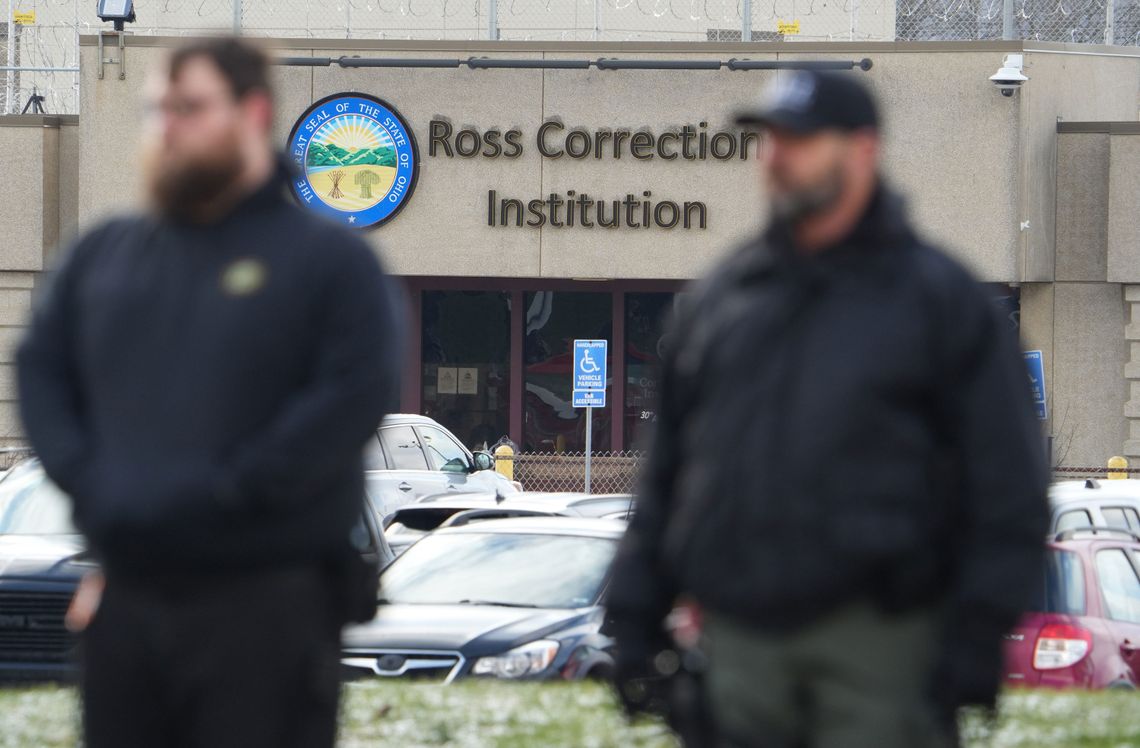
1036	367
590	365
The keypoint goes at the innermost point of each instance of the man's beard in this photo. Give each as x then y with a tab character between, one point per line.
194	190
794	206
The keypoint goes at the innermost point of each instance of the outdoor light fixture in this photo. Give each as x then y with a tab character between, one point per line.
1009	77
118	11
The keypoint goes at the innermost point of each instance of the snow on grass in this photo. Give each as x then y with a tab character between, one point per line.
520	715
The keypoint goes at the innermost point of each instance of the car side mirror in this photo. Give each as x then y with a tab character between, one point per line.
484	461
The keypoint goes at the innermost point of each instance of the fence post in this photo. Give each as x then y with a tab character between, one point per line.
1109	21
1007	19
493	20
10	74
589	443
237	17
746	21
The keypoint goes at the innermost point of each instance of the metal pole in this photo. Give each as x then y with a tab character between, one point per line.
237	17
1109	21
1007	19
854	19
10	87
598	19
493	20
746	21
589	443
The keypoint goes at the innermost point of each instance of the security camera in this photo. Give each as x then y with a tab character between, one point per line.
1009	77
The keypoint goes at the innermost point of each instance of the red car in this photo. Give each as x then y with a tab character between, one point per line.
1085	630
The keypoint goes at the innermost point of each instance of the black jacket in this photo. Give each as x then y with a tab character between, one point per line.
204	392
857	423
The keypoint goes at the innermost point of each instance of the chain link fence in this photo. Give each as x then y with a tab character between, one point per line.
610	472
40	53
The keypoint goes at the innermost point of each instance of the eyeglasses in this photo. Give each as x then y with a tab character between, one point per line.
183	108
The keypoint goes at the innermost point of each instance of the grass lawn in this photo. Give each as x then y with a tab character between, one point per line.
580	715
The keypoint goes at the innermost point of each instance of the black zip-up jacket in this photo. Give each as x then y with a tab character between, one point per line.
203	392
847	425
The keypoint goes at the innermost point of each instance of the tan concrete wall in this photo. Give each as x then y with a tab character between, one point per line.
1123	219
1067	87
1088	390
1082	206
68	182
35	196
30	208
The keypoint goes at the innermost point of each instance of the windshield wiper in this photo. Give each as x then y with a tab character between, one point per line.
496	603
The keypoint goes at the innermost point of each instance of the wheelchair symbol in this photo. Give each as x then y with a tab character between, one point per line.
587	364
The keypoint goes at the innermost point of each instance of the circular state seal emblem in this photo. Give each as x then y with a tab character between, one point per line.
357	157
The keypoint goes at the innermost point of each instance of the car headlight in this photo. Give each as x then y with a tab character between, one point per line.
525	660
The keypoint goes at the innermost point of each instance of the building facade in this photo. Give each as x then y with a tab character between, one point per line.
548	196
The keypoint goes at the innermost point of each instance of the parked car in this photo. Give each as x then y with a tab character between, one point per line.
413	456
41	562
411	522
1084	630
1095	503
513	599
42	559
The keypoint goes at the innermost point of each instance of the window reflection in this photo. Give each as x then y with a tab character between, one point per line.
645	318
546	571
466	337
554	320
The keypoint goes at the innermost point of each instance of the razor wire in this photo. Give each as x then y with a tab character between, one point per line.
45	46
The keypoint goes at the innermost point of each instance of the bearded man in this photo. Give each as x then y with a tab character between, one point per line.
200	379
847	476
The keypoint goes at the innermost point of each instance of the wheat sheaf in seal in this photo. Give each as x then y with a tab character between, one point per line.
356	159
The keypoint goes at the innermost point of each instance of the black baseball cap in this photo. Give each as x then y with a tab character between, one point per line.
805	101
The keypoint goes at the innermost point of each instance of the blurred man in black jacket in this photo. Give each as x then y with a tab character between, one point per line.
848	477
201	380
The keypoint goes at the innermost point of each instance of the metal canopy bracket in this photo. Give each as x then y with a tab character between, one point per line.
121	62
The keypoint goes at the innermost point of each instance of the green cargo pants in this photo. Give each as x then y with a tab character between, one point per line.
859	678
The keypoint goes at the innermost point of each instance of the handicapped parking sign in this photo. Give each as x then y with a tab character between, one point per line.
589	378
1036	367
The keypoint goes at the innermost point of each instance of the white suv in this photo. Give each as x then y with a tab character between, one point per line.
413	456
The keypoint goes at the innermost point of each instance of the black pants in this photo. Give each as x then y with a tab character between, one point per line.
248	660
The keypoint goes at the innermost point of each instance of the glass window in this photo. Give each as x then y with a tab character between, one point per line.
514	569
1119	584
373	455
645	318
403	448
1114	517
466	343
1133	518
553	321
1064	588
443	452
1075	518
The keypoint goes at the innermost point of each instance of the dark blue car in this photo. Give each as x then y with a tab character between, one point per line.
41	562
43	558
511	599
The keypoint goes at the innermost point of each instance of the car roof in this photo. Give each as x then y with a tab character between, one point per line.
1065	492
574	526
394	418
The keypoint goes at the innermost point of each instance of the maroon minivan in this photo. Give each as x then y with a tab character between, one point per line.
1084	630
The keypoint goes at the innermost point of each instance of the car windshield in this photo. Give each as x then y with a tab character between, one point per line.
30	504
516	569
1064	588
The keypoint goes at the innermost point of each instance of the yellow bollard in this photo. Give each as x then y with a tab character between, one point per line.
504	461
1116	468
